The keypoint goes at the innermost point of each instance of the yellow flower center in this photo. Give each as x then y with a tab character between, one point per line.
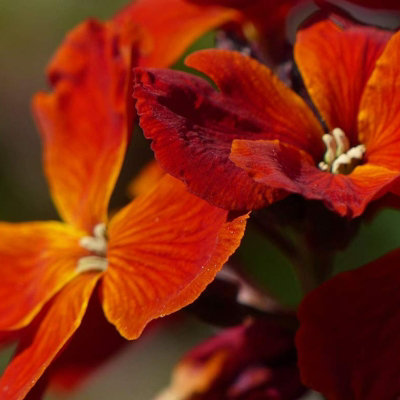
96	244
339	158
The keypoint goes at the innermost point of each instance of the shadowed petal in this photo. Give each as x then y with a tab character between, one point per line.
84	122
37	260
349	335
160	245
335	64
255	360
193	126
46	337
379	118
170	32
279	165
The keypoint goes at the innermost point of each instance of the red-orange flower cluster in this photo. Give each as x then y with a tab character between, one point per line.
255	140
151	258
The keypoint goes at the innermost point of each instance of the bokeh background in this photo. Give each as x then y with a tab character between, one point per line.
30	31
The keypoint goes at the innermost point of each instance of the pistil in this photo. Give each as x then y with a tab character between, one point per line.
339	158
96	244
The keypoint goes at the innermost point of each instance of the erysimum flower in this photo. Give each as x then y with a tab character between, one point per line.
254	141
263	21
153	257
349	337
252	361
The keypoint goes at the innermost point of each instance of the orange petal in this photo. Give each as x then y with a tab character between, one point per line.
86	352
43	341
37	260
281	166
171	31
159	250
257	89
148	177
84	122
335	64
379	118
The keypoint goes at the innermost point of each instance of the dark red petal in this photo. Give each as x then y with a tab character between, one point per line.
335	64
349	336
253	361
279	165
193	126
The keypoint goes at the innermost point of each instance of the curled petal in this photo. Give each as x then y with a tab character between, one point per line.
379	119
171	31
164	246
279	165
335	64
46	337
37	260
193	126
84	122
349	333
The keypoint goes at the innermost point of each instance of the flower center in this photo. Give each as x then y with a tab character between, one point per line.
339	158
96	244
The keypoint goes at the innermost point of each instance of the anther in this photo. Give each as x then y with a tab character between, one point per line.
330	144
339	158
342	142
91	263
96	244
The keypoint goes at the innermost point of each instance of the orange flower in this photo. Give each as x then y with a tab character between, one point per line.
255	140
152	258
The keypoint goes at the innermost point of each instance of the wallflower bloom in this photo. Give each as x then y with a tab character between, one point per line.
255	360
254	141
263	21
349	337
152	258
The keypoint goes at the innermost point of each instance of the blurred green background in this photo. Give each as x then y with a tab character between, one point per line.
30	31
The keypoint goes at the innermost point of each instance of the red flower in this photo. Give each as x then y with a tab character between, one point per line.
150	259
349	337
255	140
253	361
263	21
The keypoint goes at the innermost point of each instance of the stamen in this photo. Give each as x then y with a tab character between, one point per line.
330	144
342	142
96	244
339	158
91	263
